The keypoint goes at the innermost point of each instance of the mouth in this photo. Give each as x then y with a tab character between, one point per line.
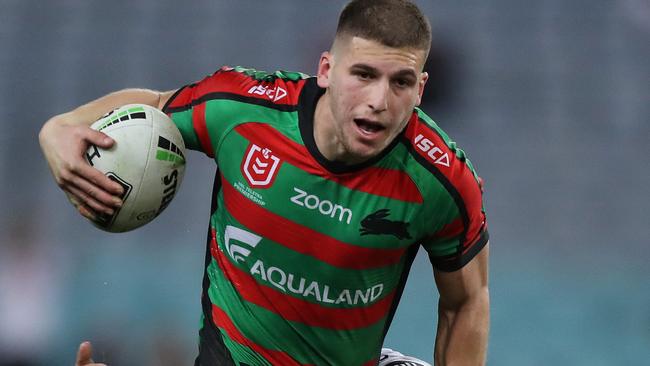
368	127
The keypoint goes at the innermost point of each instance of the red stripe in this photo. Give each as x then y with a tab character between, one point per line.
391	183
295	309
227	80
182	98
450	230
303	239
458	174
198	120
224	322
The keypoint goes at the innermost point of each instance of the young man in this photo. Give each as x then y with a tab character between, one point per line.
326	188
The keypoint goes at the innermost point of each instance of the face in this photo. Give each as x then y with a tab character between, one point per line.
371	92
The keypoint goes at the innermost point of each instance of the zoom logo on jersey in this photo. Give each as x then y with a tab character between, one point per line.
325	207
260	166
288	282
435	153
274	94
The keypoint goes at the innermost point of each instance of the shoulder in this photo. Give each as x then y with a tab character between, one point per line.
451	185
246	85
432	149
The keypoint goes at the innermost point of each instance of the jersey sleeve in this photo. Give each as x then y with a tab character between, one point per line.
184	109
464	233
207	110
195	114
456	213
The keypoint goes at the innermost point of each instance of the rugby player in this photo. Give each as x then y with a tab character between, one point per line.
326	188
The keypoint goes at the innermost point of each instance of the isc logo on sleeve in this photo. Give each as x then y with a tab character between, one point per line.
274	94
433	152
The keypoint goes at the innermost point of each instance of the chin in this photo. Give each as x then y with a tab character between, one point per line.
360	152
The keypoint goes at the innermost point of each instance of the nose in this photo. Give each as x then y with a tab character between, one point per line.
378	96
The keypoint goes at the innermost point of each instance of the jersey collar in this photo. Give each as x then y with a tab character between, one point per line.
309	97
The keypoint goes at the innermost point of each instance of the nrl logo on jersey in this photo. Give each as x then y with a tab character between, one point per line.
274	94
260	166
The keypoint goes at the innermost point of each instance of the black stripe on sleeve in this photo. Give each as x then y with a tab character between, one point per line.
171	99
456	261
234	97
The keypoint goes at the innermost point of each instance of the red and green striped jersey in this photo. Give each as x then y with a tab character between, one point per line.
307	258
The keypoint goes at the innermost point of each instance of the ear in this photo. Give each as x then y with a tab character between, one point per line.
324	67
423	81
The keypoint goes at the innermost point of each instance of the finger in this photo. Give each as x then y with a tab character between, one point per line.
73	200
95	192
87	213
84	354
97	138
84	200
98	179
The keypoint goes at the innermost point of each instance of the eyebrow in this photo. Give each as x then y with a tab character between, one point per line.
370	69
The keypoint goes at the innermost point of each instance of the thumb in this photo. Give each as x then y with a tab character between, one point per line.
84	355
98	138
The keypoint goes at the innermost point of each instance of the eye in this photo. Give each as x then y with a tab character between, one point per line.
403	82
363	75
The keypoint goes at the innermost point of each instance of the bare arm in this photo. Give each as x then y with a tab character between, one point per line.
64	139
463	313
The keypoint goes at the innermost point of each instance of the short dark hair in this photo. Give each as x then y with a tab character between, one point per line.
393	23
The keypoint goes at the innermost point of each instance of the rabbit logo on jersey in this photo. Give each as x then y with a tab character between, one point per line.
260	166
288	282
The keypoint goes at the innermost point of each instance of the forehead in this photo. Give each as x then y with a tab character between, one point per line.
356	50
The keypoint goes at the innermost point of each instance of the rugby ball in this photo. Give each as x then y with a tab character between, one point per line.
147	159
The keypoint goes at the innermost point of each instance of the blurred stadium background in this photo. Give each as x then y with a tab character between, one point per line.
550	99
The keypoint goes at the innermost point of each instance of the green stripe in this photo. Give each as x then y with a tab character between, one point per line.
183	121
224	115
136	109
241	353
169	156
266	76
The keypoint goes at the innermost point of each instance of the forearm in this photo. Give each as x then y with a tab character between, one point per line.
92	111
65	138
463	332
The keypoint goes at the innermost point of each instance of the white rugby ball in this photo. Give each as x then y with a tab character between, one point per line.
147	159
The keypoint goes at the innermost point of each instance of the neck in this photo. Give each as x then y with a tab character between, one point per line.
327	139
